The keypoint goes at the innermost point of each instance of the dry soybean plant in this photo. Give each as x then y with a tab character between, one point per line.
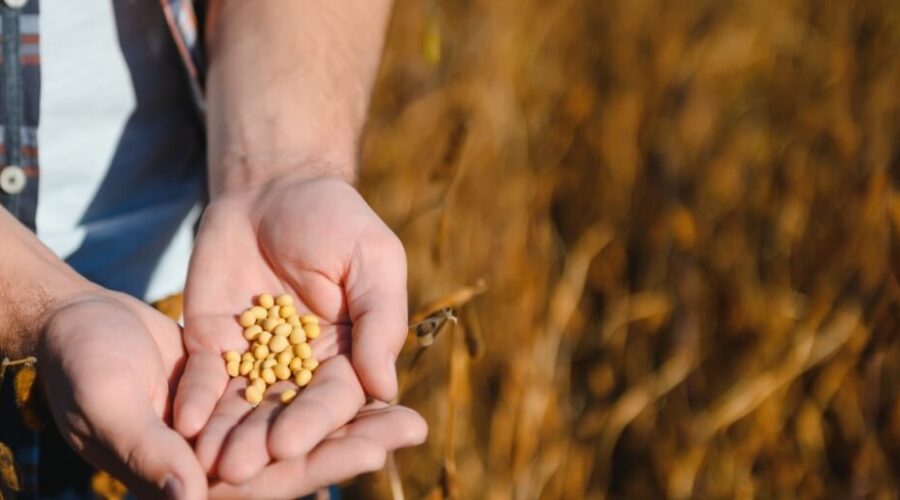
669	231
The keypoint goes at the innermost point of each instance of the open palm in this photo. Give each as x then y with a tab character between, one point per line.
317	240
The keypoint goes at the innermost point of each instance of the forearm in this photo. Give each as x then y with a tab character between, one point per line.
32	281
288	87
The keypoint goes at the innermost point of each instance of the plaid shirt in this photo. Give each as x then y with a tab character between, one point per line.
20	82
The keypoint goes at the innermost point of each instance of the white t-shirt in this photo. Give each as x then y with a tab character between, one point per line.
121	147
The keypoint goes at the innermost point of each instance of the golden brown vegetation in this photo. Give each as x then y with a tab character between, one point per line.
687	220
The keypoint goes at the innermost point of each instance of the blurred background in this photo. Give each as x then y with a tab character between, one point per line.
671	235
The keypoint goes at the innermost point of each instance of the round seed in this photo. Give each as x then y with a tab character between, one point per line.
298	334
247	318
303	350
269	363
252	331
312	330
282	372
278	343
260	384
232	356
283	329
288	396
287	311
307	319
303	377
285	357
233	368
273	311
253	395
266	300
260	352
284	300
268	376
253	375
269	324
264	337
293	320
247	356
295	364
245	368
311	364
259	312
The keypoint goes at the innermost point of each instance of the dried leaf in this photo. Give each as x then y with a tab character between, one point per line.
9	472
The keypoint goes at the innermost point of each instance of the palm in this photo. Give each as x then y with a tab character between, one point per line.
300	240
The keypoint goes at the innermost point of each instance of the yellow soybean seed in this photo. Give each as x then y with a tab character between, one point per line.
259	312
283	329
309	319
284	300
266	300
303	350
303	377
298	334
288	396
245	368
311	364
260	384
285	357
295	364
247	356
247	318
312	330
267	375
293	320
282	372
269	363
273	312
278	343
264	337
269	324
232	356
253	395
260	352
253	375
287	311
233	368
252	331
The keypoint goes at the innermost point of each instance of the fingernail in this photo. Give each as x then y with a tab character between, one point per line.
173	488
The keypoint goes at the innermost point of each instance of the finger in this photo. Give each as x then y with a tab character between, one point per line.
332	461
333	398
391	426
377	304
200	387
229	411
244	453
149	457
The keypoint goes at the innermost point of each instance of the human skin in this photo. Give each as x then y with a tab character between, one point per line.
284	217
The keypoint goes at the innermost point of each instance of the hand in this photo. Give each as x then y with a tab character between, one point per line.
107	362
318	240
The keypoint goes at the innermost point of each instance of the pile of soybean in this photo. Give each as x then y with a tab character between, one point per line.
278	347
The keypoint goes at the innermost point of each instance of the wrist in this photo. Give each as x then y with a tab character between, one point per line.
237	175
33	281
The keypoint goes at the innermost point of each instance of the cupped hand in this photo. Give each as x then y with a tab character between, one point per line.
108	365
318	240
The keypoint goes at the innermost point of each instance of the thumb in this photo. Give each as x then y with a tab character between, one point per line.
377	303
129	439
151	459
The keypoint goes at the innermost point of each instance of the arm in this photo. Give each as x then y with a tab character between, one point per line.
32	282
288	87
